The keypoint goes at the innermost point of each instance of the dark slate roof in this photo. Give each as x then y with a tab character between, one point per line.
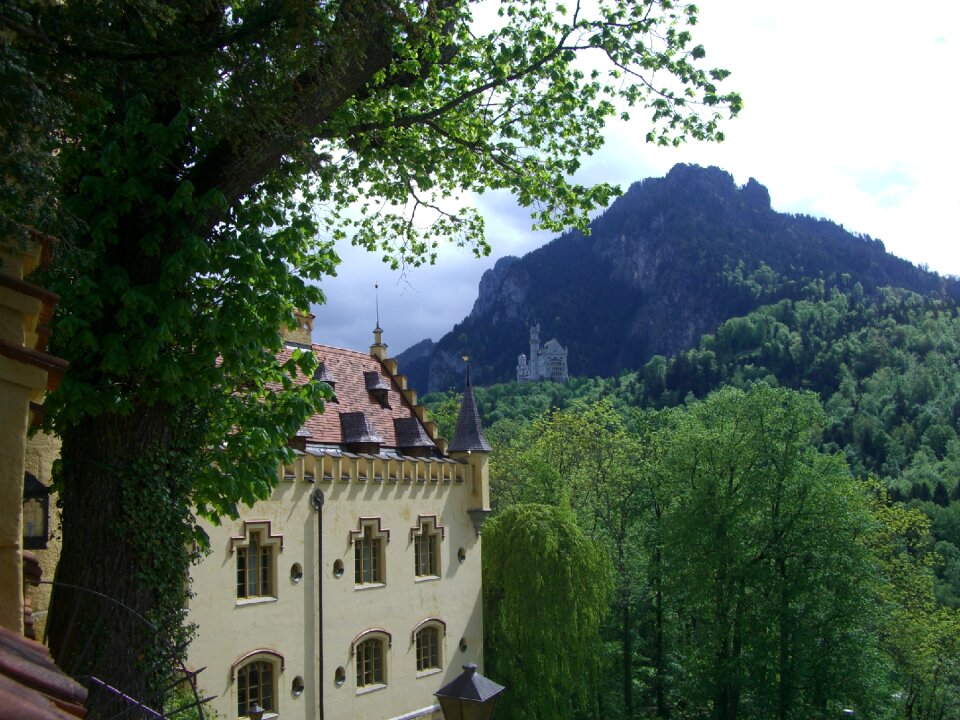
410	433
469	432
375	381
355	428
324	375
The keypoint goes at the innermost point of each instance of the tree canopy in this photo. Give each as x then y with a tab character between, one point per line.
538	563
753	575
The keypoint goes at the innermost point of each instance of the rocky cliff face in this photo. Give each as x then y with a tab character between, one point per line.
666	263
499	290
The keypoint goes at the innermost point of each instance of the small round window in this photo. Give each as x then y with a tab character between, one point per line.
339	677
461	554
296	688
296	573
338	568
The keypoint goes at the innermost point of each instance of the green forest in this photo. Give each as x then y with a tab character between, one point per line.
765	525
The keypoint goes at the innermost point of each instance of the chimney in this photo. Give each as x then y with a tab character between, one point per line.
302	332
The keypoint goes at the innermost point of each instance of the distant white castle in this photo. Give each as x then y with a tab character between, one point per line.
546	363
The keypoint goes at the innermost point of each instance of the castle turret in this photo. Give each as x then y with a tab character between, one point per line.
534	362
470	446
523	371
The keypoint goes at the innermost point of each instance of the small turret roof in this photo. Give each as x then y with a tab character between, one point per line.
469	432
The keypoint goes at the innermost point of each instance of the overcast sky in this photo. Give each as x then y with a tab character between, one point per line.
850	114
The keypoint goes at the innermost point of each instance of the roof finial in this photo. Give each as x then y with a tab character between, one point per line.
466	359
378	349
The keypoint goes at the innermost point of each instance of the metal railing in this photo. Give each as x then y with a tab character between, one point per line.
162	664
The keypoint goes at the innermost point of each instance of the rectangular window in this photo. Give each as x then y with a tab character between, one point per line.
428	649
425	554
367	551
254	569
370	663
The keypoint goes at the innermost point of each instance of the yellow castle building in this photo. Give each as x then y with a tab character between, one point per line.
354	592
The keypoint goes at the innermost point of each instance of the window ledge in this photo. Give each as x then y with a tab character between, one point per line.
369	586
370	688
425	578
428	672
256	601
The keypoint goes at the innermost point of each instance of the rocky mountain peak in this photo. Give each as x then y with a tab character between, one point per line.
666	263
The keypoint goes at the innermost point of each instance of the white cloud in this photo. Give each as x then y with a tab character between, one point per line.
849	114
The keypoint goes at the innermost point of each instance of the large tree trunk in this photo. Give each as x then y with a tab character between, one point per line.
124	516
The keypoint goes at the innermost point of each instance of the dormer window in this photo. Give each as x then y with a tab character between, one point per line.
359	434
299	441
323	374
378	387
412	438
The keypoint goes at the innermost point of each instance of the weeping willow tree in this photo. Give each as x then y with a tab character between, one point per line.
546	589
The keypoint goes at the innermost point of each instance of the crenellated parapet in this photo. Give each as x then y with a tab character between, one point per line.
330	464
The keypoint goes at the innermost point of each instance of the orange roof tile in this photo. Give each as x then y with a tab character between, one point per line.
348	368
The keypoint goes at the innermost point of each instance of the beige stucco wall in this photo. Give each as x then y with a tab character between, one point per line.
227	628
42	451
14	403
289	624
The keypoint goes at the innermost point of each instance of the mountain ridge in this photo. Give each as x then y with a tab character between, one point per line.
667	262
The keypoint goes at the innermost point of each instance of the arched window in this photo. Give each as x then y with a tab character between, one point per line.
256	683
428	648
255	677
370	663
427	638
370	650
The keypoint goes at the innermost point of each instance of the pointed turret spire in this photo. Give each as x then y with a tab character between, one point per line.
468	437
378	349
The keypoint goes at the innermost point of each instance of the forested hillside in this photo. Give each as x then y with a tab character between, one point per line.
882	371
667	262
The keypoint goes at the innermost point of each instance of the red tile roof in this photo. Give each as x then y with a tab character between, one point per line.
348	368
